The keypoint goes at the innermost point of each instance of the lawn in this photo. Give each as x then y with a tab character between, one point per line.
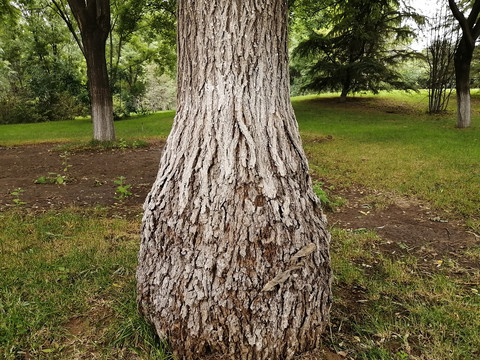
67	276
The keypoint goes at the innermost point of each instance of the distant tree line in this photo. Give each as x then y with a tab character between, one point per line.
43	73
345	46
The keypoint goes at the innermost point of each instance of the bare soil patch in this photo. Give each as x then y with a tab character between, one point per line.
91	175
406	225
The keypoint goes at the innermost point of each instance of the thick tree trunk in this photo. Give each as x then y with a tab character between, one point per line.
463	60
100	94
234	256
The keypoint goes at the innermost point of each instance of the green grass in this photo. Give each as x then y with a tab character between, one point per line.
414	153
67	287
67	277
137	127
400	309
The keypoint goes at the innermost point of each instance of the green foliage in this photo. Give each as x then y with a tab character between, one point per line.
328	203
39	75
160	91
355	46
123	190
43	73
132	51
57	178
17	201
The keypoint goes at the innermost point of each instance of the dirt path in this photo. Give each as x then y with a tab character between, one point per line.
405	225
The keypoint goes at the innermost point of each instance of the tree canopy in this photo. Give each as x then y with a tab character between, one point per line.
356	45
43	74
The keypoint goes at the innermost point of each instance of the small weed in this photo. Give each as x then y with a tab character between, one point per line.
402	355
329	203
17	201
51	178
65	161
123	190
57	178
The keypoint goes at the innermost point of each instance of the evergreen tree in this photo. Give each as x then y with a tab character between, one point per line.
357	46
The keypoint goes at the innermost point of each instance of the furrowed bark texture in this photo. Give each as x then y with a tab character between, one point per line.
234	257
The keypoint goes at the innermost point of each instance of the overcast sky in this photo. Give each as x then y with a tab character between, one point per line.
427	8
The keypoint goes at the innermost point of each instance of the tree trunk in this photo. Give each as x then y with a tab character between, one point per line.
100	94
345	87
93	18
234	257
463	60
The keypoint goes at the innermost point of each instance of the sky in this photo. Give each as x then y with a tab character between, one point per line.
427	8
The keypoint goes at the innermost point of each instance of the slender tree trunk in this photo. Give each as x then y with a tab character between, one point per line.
101	96
345	88
234	257
463	60
93	19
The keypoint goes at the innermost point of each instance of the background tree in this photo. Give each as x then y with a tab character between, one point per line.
40	72
358	46
43	73
440	58
139	38
234	255
93	19
463	58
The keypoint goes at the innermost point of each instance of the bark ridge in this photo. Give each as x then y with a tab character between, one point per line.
234	257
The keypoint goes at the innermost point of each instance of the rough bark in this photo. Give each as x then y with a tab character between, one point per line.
93	18
463	60
234	257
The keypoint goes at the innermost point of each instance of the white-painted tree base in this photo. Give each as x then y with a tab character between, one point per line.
463	109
